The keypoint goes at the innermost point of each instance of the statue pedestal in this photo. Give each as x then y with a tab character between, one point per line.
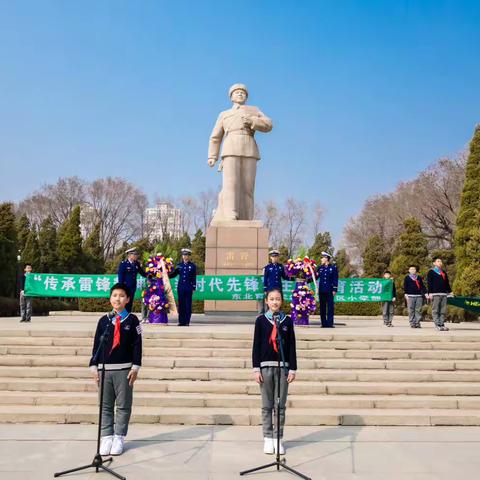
237	247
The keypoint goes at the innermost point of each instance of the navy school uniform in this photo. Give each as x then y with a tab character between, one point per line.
273	273
187	284
127	274
327	284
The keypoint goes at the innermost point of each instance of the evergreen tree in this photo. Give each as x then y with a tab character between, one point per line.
375	257
93	251
47	240
467	235
283	257
8	250
31	252
411	249
23	230
70	253
198	251
345	268
322	243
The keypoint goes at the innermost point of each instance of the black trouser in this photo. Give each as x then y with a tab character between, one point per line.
131	294
184	307
326	300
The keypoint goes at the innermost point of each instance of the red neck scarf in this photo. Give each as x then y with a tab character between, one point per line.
116	333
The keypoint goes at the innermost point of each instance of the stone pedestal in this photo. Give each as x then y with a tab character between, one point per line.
237	247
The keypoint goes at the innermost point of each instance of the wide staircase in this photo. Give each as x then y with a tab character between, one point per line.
203	375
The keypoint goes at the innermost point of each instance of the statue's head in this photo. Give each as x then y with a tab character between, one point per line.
238	93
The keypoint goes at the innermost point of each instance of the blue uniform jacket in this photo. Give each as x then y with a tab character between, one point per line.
272	276
127	273
188	276
327	278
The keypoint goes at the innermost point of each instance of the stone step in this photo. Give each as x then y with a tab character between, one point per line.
444	362
242	375
245	353
300	387
355	343
168	399
242	416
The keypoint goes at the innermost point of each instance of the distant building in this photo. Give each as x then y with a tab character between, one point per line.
162	221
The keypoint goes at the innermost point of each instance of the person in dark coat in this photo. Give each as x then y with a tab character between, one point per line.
127	274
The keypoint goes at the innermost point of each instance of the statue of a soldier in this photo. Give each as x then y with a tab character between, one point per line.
237	127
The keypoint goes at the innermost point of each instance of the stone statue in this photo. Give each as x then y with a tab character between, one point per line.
237	127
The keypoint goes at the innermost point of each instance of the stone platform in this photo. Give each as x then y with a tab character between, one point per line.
358	374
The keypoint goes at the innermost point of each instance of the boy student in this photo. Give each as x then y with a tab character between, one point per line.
25	302
265	355
123	358
387	307
415	290
438	291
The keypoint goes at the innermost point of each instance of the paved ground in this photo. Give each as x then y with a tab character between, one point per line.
35	452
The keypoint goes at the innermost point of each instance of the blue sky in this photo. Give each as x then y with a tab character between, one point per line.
363	94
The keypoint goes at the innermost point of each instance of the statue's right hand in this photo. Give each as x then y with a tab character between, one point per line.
211	162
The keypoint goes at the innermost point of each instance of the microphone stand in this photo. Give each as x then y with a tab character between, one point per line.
98	462
278	462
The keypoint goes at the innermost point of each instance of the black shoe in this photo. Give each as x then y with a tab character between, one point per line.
22	320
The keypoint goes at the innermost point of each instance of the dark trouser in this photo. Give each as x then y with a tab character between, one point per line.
326	308
25	307
414	305
439	309
269	390
117	393
184	307
387	311
131	294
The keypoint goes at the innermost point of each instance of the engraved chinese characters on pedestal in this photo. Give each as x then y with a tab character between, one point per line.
239	157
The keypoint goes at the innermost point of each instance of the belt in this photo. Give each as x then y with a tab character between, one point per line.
241	132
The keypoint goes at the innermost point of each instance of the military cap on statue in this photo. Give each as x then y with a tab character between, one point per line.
237	86
131	250
186	251
274	253
326	254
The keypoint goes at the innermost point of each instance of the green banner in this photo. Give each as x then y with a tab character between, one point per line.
467	303
209	287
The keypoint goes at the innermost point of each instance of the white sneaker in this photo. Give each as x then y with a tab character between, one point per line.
268	447
106	445
282	448
117	446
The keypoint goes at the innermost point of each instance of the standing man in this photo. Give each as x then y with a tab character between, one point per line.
438	291
25	302
415	290
187	284
273	273
236	127
127	274
327	289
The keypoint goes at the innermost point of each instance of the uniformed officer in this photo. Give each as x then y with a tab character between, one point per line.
274	272
127	274
327	289
187	284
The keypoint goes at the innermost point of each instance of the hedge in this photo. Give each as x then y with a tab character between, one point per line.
10	307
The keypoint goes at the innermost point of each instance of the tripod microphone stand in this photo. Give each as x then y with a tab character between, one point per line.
278	462
98	462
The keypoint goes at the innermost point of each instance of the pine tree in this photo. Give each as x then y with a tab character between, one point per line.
411	249
70	253
93	251
23	231
467	235
8	250
322	243
47	240
283	257
345	268
198	251
375	257
31	252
